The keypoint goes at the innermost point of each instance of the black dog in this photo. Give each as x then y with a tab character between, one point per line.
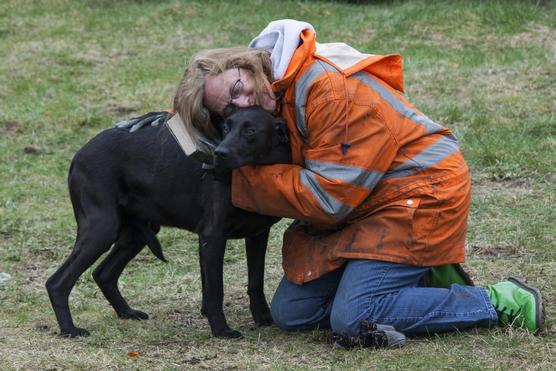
123	187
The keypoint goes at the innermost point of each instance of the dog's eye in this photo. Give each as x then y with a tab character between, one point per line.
225	129
250	131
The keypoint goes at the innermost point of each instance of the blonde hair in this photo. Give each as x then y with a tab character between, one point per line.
188	101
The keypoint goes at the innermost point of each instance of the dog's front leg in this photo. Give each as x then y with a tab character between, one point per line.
255	248
211	254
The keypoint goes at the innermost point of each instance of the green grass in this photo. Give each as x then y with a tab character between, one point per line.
68	69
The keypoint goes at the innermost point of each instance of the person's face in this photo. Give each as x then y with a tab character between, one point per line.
234	88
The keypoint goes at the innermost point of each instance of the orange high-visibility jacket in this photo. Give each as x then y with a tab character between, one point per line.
372	177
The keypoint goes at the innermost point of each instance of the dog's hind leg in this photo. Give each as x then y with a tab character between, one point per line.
95	235
255	250
108	272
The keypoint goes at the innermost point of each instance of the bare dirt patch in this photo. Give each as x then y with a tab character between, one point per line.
514	187
124	108
537	34
496	251
10	127
32	149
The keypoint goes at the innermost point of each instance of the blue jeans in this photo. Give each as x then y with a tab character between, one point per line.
383	292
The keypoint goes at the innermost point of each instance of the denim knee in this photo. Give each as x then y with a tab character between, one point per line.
282	318
294	315
297	320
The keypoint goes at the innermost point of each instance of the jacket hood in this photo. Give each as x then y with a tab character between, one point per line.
291	42
281	38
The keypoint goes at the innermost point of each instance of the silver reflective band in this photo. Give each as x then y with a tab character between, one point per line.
302	90
328	203
397	104
431	155
350	174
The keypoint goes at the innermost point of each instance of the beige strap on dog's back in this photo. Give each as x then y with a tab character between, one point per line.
177	128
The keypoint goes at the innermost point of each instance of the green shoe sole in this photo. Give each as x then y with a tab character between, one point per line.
540	313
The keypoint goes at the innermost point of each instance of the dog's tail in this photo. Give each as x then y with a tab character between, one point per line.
152	241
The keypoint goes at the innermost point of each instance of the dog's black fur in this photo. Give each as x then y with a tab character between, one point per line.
124	186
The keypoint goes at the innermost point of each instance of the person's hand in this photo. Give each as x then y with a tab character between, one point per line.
151	118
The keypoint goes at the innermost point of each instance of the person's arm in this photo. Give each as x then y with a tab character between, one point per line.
332	183
151	118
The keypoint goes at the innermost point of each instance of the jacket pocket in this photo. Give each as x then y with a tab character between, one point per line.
387	234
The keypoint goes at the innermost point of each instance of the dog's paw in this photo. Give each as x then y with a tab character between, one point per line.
228	334
263	319
74	332
134	314
261	313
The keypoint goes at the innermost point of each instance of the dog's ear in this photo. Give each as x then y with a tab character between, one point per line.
217	121
281	130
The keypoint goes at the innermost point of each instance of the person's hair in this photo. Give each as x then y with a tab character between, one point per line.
188	101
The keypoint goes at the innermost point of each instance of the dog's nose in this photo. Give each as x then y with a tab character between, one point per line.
221	153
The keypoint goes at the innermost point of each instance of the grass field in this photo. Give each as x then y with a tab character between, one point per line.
68	69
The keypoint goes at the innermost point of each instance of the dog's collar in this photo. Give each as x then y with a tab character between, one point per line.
206	156
207	166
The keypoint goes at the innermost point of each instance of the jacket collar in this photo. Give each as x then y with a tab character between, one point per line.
387	67
302	54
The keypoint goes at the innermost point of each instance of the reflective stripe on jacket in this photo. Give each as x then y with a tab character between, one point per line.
372	177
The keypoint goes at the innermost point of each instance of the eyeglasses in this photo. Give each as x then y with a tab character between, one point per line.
236	88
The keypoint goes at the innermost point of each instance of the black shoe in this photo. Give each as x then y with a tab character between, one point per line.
371	335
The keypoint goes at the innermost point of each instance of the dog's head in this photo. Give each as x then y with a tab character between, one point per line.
252	136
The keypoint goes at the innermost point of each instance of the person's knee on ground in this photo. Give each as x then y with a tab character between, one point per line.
305	307
281	316
297	314
297	320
